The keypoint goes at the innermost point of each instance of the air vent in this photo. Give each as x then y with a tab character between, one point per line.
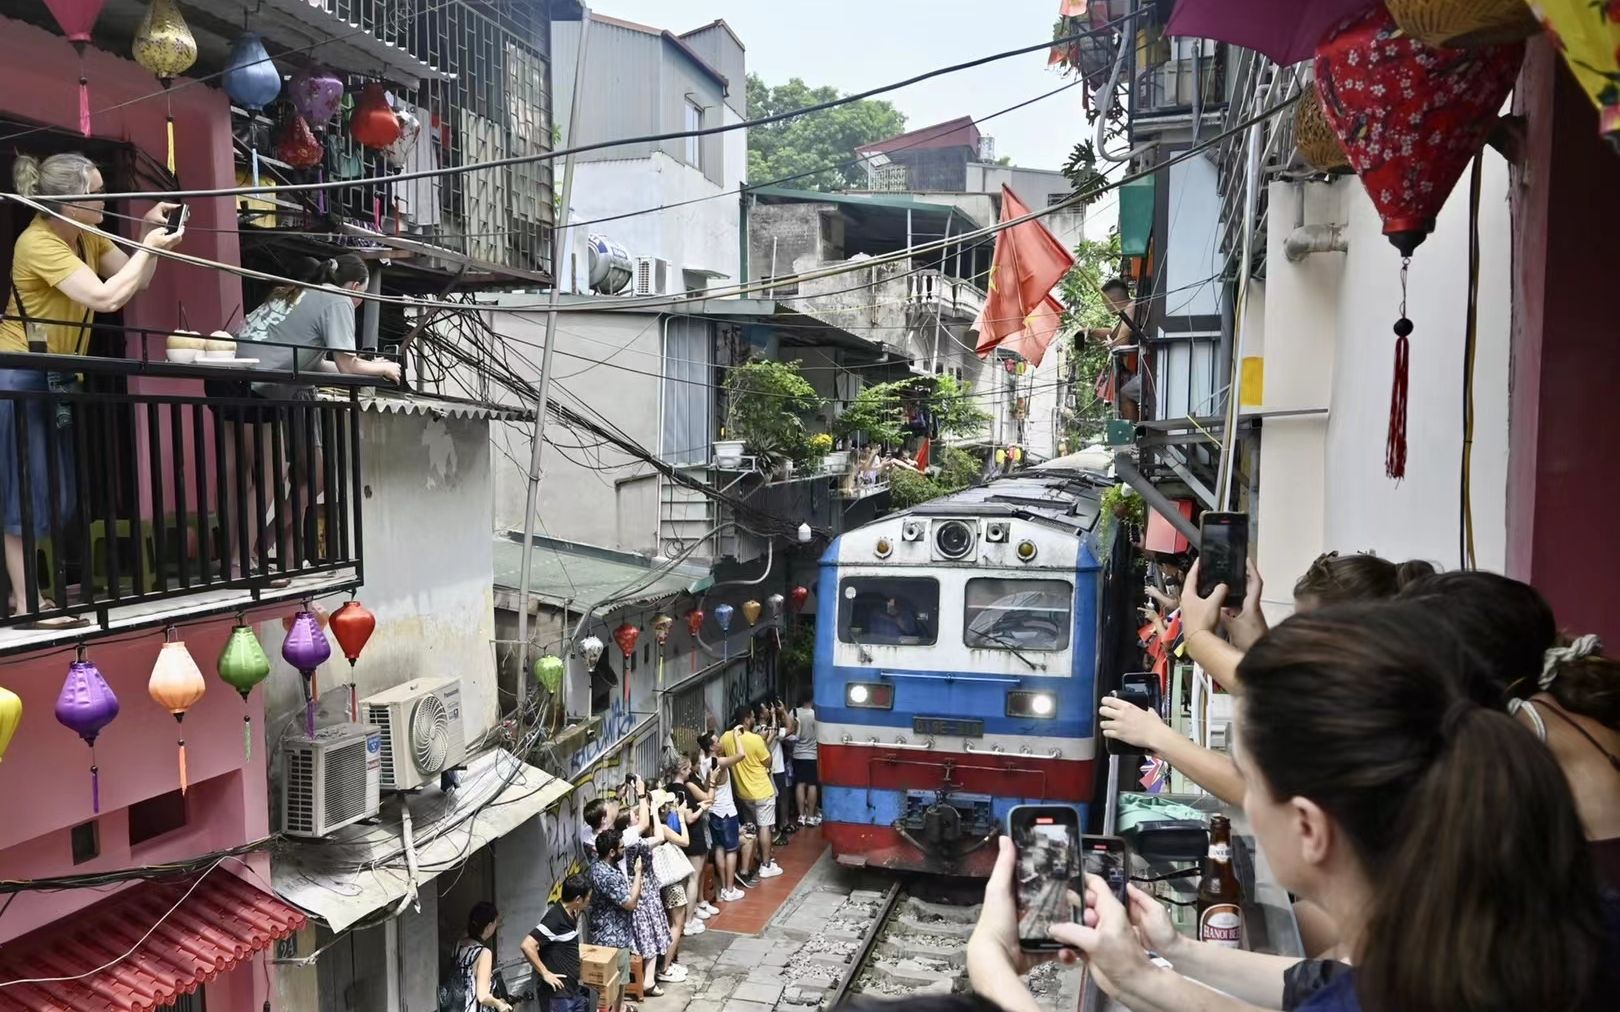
911	530
997	531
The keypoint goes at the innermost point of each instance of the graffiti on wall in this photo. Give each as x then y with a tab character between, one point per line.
605	763
616	723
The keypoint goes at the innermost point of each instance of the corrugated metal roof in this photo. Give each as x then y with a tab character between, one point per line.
219	925
394	402
566	572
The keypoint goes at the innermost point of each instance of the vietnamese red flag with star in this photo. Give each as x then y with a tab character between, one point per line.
1039	329
1029	261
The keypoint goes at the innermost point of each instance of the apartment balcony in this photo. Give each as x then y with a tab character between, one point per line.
159	511
892	305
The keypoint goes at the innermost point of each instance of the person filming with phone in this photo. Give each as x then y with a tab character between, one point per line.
61	276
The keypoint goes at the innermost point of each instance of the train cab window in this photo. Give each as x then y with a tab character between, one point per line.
888	611
1018	614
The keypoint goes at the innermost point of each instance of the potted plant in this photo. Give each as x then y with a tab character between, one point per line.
832	461
767	406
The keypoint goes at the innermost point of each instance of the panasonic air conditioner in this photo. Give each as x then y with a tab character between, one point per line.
421	730
652	276
330	779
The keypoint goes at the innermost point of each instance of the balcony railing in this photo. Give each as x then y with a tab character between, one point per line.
118	501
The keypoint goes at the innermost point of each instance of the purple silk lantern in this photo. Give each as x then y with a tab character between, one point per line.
306	649
316	94
85	706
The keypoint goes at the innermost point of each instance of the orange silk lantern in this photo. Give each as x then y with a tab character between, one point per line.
625	636
373	123
353	625
176	685
694	622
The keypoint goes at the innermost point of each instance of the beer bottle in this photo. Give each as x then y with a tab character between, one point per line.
1220	896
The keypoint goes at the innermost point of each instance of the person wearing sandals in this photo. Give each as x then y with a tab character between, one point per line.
615	897
697	798
61	276
649	925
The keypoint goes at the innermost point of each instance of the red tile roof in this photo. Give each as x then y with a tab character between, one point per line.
958	132
222	923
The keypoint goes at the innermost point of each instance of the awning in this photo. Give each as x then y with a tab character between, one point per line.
203	927
583	576
360	870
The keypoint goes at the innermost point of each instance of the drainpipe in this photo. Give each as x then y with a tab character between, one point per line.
1308	239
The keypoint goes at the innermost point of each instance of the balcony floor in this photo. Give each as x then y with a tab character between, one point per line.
148	614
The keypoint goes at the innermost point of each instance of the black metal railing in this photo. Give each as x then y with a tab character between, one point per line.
116	498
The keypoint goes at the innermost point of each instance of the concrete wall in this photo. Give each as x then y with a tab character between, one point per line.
1328	345
788	239
613	362
721	50
698	236
1192	209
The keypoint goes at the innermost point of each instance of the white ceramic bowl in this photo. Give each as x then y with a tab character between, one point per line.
183	354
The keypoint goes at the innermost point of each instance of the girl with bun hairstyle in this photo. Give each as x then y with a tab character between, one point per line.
61	277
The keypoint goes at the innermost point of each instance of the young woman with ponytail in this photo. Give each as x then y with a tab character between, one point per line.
1441	837
1563	690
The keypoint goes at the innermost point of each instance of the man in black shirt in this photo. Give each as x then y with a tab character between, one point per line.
552	948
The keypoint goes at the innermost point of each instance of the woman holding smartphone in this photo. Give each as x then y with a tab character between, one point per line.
61	277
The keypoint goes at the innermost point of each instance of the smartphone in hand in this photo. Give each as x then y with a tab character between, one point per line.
1223	555
177	218
1046	842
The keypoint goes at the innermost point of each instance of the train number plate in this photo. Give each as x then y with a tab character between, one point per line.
948	727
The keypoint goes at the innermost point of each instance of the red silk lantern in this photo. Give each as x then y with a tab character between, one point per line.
297	144
694	622
353	625
625	636
77	18
1410	119
373	123
799	595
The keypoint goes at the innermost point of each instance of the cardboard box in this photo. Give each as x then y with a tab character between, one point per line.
598	965
608	996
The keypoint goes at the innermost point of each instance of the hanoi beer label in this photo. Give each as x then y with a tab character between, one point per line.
1222	924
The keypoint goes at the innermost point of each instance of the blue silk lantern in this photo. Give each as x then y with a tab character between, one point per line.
253	82
722	618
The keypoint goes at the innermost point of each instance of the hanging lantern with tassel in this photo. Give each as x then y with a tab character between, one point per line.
316	94
777	604
252	82
694	623
590	648
1587	34
176	685
1410	119
799	595
548	671
751	611
661	626
77	18
85	706
306	649
10	717
164	45
1464	24
626	636
353	625
297	145
722	618
242	665
373	123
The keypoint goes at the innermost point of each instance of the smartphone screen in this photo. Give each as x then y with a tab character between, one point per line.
1047	841
177	218
1222	555
1105	858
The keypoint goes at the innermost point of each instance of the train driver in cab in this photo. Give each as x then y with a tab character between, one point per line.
895	622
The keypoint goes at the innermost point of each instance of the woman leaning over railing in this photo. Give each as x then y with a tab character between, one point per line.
61	277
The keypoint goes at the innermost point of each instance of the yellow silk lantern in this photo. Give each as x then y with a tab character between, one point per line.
176	685
10	717
751	611
1588	36
164	46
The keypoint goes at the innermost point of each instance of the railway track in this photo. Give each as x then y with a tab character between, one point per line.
913	941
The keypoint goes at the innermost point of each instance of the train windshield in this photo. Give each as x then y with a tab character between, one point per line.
888	611
1018	614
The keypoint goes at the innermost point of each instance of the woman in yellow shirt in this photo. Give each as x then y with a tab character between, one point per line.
61	276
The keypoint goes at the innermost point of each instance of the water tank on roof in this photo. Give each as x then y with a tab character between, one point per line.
609	269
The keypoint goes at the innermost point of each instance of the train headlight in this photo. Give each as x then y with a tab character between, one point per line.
1040	705
870	695
884	548
1026	551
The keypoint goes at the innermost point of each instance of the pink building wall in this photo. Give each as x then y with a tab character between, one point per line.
46	776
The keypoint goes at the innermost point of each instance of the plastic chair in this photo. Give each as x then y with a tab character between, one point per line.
637	986
123	530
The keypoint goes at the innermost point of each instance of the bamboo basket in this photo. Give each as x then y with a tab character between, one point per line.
1317	142
1464	24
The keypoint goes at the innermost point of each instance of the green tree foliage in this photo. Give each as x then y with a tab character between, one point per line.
809	142
958	469
767	406
955	408
878	411
1095	261
908	488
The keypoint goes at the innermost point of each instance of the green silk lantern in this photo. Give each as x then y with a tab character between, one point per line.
242	665
548	671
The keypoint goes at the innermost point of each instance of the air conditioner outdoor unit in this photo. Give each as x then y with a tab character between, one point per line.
331	779
652	276
421	730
